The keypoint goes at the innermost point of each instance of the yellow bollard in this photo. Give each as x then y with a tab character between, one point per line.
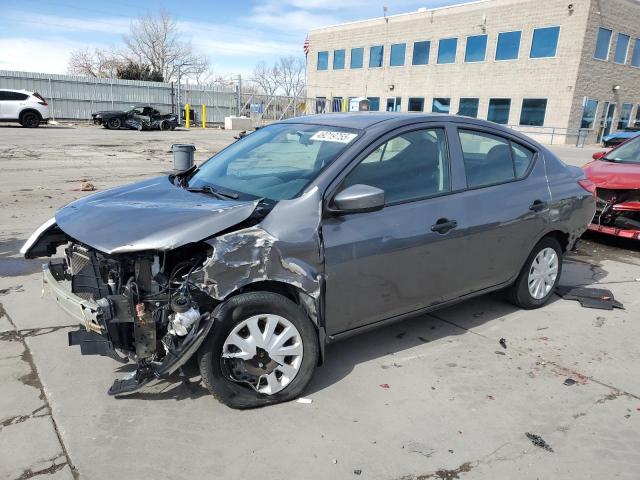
204	116
187	111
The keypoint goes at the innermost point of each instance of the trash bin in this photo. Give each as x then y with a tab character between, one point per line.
182	156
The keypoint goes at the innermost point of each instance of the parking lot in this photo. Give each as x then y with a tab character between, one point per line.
435	397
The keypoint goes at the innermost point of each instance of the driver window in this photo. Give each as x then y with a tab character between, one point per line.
410	166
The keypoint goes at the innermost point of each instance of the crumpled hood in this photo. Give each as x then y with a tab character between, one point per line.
149	215
104	113
612	175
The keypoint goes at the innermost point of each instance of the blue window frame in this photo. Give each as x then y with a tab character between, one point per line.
374	104
375	56
499	110
476	49
603	43
323	60
635	58
338	59
447	50
622	46
421	53
397	54
508	46
533	111
357	54
441	105
468	107
545	42
589	113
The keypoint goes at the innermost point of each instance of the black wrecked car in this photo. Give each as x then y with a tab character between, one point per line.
305	232
138	118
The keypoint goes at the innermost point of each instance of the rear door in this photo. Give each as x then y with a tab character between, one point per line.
506	203
396	260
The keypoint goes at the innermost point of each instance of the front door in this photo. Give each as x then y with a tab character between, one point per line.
409	254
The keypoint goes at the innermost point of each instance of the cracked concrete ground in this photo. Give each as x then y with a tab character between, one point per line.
436	397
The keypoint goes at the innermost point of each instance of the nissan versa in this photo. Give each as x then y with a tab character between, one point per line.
305	232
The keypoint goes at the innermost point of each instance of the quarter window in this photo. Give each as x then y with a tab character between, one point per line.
635	58
476	48
603	42
416	104
622	45
397	54
533	111
356	57
508	46
421	53
499	110
375	56
468	107
14	96
441	105
544	42
589	113
447	50
338	59
408	167
323	60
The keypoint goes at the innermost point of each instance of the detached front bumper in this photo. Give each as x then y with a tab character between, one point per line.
618	232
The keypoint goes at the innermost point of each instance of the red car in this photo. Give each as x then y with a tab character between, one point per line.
616	178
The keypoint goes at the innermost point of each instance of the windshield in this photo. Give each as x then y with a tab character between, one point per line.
627	153
276	162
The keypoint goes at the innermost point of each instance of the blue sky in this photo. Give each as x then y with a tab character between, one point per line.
37	35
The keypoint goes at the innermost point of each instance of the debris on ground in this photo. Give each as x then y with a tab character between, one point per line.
304	400
599	322
87	187
569	381
491	397
498	352
503	342
334	461
538	441
385	385
590	297
419	448
357	472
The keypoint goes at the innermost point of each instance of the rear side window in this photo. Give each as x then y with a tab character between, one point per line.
408	167
489	159
12	96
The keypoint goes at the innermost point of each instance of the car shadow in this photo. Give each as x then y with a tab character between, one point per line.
44	127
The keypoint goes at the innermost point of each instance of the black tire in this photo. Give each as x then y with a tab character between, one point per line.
233	311
114	123
165	125
30	120
518	293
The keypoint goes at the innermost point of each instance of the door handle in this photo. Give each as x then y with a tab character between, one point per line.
538	205
443	225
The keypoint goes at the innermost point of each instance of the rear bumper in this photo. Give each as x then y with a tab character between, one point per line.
618	232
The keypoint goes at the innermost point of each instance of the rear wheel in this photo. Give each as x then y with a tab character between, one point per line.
30	120
263	350
539	276
114	123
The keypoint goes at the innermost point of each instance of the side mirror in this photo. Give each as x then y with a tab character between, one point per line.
598	155
358	198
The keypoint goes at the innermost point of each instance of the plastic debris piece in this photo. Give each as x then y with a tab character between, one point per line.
491	397
334	461
498	352
385	385
590	297
304	400
538	441
569	381
357	472
503	342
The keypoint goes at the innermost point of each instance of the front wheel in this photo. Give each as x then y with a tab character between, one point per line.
539	276
263	350
114	123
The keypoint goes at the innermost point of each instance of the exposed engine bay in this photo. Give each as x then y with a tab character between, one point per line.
618	209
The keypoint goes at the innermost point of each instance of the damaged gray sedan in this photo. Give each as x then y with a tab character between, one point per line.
305	232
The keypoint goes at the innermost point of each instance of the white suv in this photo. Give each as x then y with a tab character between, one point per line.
28	108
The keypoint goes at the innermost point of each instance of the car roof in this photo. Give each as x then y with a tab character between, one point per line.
14	90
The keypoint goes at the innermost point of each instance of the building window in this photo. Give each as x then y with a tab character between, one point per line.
394	104
499	110
338	59
416	104
321	104
603	42
356	57
476	48
441	105
447	50
421	53
533	110
545	42
625	115
323	60
374	104
636	122
468	107
375	56
622	46
336	104
589	113
635	58
508	46
397	54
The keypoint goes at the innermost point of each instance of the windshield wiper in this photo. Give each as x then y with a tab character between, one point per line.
214	191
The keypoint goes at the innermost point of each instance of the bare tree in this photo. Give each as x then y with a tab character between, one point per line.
99	63
155	40
266	78
291	75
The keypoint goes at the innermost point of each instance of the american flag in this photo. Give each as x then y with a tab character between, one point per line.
306	47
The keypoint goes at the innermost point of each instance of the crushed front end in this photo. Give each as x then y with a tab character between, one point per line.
617	212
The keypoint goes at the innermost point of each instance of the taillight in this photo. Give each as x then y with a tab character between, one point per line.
588	185
42	100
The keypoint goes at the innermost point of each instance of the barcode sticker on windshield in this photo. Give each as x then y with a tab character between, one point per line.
340	137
